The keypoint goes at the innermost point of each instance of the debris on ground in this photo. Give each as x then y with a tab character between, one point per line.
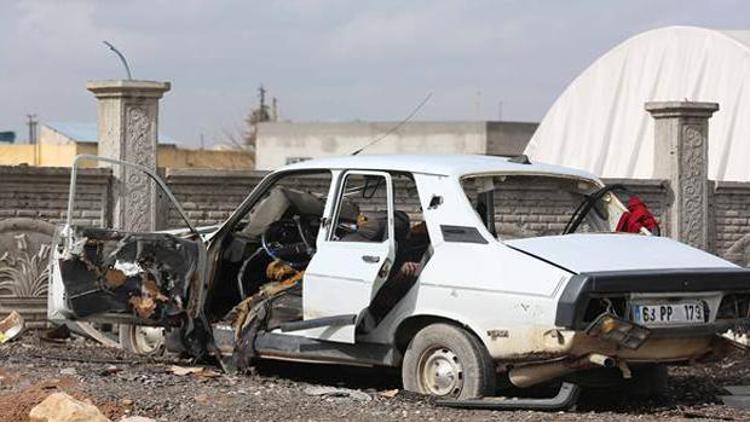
11	327
326	391
57	334
200	371
30	372
60	407
88	330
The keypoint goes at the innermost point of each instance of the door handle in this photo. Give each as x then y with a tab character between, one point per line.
371	259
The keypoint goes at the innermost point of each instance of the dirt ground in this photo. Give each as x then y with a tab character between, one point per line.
123	384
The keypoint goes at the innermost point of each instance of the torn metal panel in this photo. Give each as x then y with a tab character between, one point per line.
142	274
11	327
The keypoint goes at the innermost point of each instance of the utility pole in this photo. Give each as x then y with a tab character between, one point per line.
262	94
31	122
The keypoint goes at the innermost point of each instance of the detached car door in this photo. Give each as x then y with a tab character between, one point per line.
109	275
353	259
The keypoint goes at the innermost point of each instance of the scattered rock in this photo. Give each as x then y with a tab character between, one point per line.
111	369
181	371
326	391
126	402
201	398
68	371
389	394
136	419
60	407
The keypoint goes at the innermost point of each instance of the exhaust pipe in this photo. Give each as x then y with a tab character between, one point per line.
529	375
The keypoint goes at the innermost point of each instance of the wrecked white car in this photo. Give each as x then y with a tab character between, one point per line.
433	264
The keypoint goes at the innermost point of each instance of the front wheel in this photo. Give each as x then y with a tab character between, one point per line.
447	361
142	340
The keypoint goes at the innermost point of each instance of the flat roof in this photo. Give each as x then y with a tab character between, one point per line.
440	164
87	132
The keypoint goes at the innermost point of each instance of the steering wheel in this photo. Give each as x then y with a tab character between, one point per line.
291	241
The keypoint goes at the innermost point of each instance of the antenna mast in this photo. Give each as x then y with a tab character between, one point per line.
398	126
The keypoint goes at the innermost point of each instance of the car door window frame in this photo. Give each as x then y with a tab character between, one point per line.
339	198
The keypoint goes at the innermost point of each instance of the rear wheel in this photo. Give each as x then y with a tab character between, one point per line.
447	361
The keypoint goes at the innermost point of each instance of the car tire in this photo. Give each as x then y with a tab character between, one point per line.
446	361
142	340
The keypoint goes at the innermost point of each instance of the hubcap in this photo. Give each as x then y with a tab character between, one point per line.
440	372
147	340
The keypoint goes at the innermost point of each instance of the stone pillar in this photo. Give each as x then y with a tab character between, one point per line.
128	121
681	156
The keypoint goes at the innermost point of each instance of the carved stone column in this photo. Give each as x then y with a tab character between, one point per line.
128	121
681	156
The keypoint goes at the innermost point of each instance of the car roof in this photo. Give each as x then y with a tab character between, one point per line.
438	164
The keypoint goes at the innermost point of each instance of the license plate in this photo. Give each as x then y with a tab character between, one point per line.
677	313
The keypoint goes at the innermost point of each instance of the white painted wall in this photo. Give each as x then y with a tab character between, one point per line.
280	141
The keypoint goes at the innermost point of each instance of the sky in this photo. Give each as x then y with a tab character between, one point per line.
324	60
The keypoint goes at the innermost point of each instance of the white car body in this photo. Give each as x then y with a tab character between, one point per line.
521	298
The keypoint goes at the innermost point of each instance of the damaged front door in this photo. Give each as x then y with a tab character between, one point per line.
114	276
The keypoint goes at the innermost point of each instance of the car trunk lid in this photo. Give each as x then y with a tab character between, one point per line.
616	252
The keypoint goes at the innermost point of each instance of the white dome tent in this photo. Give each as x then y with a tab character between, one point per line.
599	123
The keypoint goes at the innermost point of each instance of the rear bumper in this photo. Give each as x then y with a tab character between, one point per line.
575	298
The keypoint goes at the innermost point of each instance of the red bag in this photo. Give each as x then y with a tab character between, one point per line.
637	217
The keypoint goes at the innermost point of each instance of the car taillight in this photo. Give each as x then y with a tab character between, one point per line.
734	305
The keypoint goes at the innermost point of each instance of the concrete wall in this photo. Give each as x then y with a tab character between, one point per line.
209	197
279	142
173	157
731	212
42	193
508	138
49	136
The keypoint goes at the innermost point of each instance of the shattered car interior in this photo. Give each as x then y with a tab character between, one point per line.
470	273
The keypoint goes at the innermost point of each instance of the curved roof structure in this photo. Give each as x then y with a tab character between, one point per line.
599	122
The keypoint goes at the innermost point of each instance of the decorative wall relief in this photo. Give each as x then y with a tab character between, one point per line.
139	149
24	257
692	181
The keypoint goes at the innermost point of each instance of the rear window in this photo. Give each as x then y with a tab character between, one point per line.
521	206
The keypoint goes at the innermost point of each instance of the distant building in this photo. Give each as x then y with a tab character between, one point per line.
61	133
59	143
8	137
281	143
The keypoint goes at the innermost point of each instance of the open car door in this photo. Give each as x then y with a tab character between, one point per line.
106	275
351	263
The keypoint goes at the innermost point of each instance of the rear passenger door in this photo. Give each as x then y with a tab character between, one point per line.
353	258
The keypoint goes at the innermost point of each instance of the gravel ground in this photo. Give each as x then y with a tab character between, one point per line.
123	384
